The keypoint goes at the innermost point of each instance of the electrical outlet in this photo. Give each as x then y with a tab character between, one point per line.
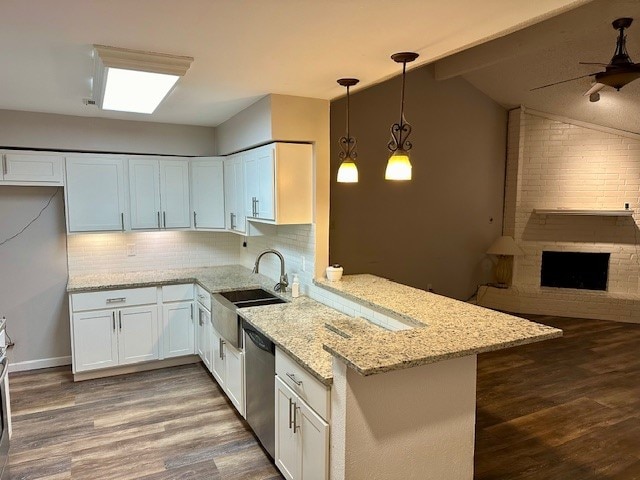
131	249
304	264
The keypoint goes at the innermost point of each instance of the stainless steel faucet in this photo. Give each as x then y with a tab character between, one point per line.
284	280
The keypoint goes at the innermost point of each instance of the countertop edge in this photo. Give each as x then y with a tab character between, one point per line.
441	357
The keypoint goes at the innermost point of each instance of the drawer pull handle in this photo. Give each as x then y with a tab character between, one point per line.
116	300
294	380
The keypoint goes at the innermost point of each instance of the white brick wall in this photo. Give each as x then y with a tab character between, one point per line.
97	253
564	164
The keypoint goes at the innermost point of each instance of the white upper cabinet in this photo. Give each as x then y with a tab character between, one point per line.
234	181
159	191
174	193
279	183
207	193
144	188
95	194
32	168
259	183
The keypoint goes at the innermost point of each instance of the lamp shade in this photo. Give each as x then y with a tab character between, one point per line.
398	166
505	245
348	172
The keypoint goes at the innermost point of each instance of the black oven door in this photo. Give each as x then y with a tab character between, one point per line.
4	418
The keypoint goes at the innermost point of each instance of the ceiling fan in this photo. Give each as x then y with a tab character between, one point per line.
617	73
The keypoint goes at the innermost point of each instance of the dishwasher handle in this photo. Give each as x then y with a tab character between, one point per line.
260	341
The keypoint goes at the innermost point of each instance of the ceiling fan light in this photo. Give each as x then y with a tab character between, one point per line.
348	172
398	166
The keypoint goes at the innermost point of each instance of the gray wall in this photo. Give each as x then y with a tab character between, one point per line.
435	228
33	273
33	267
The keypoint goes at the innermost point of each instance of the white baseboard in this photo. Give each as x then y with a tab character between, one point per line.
37	364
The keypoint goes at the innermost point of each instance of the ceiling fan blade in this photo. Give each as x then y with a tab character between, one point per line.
563	81
595	88
593	63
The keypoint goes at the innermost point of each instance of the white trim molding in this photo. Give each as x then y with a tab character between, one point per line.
38	364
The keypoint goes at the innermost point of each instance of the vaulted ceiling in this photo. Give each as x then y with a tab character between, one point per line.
506	69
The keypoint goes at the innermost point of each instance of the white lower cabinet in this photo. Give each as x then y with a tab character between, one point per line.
302	437
95	340
178	334
108	338
138	334
234	376
227	369
204	330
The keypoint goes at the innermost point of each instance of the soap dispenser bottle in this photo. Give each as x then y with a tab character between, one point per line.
295	286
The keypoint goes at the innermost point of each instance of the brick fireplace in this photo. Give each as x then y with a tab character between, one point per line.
555	168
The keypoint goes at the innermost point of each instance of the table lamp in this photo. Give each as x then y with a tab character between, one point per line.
505	248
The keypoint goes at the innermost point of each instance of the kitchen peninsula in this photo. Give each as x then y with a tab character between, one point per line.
400	402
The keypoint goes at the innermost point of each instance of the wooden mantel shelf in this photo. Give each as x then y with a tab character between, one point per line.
579	212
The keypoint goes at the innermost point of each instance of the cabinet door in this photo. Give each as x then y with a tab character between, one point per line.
234	194
144	193
138	334
218	352
229	191
251	183
203	341
95	340
265	162
23	167
95	194
313	443
287	455
174	193
234	376
178	334
207	193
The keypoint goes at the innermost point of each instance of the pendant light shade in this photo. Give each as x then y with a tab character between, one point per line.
348	171
399	165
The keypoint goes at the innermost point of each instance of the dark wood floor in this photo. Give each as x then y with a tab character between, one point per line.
166	424
564	409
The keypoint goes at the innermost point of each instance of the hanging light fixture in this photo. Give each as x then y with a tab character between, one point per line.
348	171
399	166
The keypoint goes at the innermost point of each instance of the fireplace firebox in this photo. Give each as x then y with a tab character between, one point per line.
588	271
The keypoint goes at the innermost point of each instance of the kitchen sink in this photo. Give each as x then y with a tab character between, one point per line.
225	317
251	295
259	303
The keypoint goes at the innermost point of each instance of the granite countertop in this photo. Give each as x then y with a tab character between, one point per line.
299	329
451	328
213	279
445	328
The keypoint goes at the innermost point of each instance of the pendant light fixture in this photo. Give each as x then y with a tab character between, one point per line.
348	171
399	166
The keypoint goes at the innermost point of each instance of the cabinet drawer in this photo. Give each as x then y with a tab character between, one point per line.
203	297
177	293
114	298
303	383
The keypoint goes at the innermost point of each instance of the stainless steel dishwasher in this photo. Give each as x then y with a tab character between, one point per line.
260	371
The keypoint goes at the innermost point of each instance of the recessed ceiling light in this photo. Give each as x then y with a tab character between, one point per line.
134	81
